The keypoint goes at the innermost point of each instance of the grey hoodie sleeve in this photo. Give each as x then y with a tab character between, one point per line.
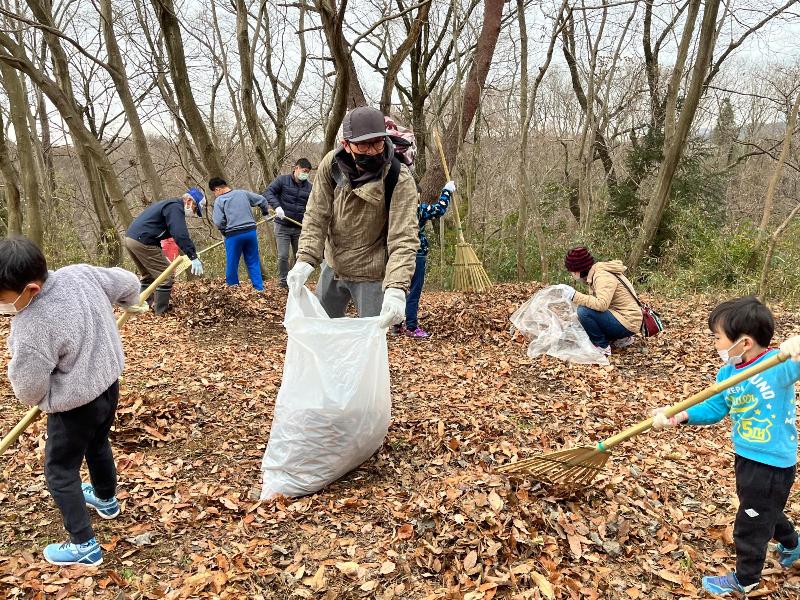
29	373
258	200
120	286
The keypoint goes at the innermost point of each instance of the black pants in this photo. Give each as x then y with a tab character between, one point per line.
763	491
72	436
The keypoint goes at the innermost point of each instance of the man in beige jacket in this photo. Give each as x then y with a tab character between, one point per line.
361	218
611	315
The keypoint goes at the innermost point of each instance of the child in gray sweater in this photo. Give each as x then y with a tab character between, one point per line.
66	358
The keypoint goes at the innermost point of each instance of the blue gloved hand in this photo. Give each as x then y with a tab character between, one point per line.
197	267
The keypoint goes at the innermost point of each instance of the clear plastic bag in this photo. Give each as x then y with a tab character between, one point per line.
550	322
334	405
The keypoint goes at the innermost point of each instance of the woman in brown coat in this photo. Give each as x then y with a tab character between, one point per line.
611	314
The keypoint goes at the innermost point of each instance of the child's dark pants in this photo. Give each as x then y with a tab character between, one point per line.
763	491
72	436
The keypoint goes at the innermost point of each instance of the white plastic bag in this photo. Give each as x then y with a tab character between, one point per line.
333	409
550	322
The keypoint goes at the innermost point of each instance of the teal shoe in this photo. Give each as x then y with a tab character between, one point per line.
88	553
727	585
108	509
787	557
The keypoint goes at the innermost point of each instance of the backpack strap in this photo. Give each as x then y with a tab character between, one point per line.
390	182
630	291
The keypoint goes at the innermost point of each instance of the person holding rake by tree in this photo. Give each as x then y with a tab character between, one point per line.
763	414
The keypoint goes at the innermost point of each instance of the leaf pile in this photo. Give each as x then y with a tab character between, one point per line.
427	517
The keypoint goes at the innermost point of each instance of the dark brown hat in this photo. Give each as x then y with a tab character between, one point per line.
363	123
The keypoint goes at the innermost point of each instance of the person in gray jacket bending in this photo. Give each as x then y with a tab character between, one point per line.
233	216
66	358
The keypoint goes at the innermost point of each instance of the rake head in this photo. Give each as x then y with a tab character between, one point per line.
575	467
468	272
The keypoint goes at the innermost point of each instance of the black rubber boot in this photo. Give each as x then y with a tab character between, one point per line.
161	304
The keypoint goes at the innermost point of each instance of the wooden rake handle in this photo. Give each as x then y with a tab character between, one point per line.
442	157
34	411
702	396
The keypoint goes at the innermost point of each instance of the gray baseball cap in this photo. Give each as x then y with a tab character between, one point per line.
363	123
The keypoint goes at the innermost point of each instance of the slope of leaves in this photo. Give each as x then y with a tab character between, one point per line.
427	516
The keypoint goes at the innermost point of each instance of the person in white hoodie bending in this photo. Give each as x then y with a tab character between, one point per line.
66	358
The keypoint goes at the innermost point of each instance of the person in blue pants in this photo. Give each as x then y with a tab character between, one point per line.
233	216
425	212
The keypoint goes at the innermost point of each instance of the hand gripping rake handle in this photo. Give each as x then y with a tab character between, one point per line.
447	176
33	413
707	393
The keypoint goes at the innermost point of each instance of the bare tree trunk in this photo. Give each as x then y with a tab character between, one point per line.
170	27
345	72
762	283
526	110
460	124
674	142
12	192
769	200
61	94
18	101
248	103
399	56
116	68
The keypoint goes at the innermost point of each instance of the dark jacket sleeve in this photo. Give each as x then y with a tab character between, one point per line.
273	192
176	224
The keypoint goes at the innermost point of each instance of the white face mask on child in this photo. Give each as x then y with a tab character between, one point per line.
10	308
726	356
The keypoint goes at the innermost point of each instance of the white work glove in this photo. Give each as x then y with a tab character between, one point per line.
137	309
197	267
279	212
792	347
567	291
450	186
298	276
393	310
662	421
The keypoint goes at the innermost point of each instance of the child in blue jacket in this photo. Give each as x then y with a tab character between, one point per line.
426	211
763	415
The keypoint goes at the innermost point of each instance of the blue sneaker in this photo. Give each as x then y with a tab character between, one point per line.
108	509
787	557
725	585
88	553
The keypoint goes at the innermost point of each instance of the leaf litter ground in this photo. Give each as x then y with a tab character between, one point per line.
426	517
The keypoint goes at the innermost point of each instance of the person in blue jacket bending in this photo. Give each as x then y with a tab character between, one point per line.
288	197
763	415
233	216
159	221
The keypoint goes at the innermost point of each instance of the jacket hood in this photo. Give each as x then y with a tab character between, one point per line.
615	267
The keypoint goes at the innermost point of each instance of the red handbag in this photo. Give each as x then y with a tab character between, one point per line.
651	321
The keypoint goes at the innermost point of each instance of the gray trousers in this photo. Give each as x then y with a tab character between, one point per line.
335	294
285	237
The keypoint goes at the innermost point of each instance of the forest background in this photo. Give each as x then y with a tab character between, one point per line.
656	132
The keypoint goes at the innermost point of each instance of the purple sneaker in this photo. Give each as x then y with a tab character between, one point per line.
419	333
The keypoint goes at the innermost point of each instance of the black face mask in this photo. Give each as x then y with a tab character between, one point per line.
369	163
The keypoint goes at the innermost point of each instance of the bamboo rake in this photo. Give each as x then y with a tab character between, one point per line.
468	272
577	467
33	413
